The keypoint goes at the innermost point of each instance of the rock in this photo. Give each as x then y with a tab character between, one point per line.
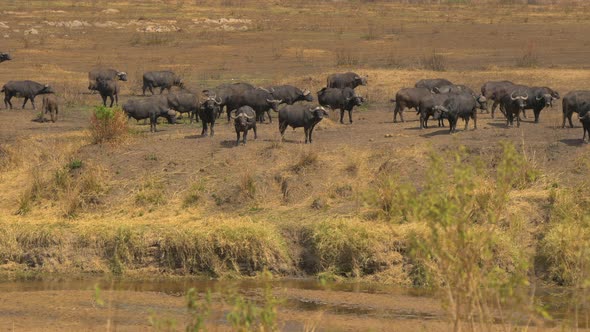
31	31
111	11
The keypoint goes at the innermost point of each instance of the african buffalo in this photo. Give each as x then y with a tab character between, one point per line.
260	99
160	79
345	80
184	102
244	120
459	105
108	88
408	98
573	102
584	113
50	105
149	108
290	94
208	112
454	88
4	57
426	108
226	92
493	91
430	84
342	99
301	115
104	73
539	98
513	104
26	89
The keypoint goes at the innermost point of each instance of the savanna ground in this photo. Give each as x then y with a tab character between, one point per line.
175	203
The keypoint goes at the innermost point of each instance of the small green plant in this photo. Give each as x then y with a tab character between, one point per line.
151	192
75	164
107	124
193	195
198	311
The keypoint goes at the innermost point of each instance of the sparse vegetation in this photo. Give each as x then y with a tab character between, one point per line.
108	124
434	62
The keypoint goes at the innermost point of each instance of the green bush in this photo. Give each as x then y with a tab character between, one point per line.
107	124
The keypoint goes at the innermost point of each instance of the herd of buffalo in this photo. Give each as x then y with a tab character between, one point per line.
247	104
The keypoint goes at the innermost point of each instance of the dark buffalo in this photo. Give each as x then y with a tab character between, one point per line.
160	79
106	74
108	88
149	108
244	120
493	91
539	98
432	83
345	80
301	115
261	100
573	102
51	106
208	113
4	57
454	88
426	108
459	105
184	102
408	98
513	104
342	99
25	89
290	94
584	113
226	92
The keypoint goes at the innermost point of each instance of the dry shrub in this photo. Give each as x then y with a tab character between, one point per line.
151	193
108	125
306	160
351	247
346	58
224	245
530	58
434	62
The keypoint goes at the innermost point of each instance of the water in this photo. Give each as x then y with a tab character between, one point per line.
58	303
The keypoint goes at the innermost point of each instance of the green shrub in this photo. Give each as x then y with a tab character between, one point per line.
107	124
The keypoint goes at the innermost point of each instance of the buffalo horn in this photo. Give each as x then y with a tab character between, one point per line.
218	100
306	92
232	114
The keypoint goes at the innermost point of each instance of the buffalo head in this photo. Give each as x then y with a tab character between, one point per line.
5	57
356	100
360	80
92	85
212	104
439	111
179	83
122	76
520	98
170	115
319	113
307	95
274	104
242	120
46	89
482	102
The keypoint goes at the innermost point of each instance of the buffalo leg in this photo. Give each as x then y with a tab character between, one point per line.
25	102
282	127
33	103
153	121
161	89
204	131
494	106
537	113
104	100
518	119
244	136
466	124
350	116
238	137
397	110
212	130
475	120
112	100
117	99
306	130
151	89
341	116
524	114
311	132
255	133
7	103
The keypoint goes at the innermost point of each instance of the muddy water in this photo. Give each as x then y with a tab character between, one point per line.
124	305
